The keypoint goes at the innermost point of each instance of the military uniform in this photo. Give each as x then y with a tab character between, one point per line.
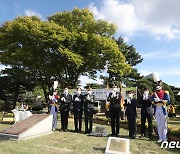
114	110
131	114
65	102
89	100
160	99
78	110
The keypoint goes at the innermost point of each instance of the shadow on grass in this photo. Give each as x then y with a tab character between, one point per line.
3	138
7	122
174	119
174	123
99	149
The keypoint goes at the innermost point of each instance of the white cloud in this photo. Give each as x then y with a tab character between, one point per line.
160	54
152	55
122	14
160	18
32	13
161	72
126	39
144	72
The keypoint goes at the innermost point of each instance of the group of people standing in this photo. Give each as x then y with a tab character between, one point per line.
81	103
152	105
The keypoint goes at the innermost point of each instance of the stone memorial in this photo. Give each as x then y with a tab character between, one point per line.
117	145
35	125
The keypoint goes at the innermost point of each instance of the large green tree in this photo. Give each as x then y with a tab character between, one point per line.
68	45
29	43
92	40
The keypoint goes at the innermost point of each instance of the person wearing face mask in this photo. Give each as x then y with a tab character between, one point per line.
78	109
160	99
89	100
146	113
131	113
65	102
114	100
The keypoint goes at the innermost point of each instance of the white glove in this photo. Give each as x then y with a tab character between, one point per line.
77	99
88	98
128	101
63	99
114	94
157	99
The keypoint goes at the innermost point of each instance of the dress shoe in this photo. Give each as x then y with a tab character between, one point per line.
142	136
159	141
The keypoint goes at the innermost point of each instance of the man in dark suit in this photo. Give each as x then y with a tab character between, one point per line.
131	113
78	109
146	113
65	102
114	100
89	100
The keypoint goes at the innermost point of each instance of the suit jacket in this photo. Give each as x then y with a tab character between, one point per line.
114	101
145	103
131	108
88	104
65	105
78	105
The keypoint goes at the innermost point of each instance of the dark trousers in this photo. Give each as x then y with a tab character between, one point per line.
132	125
64	119
88	115
78	120
115	119
144	116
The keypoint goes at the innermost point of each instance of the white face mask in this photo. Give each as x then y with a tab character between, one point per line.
115	89
158	87
78	92
130	95
89	92
66	91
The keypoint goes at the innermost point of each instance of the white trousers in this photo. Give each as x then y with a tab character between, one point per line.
161	123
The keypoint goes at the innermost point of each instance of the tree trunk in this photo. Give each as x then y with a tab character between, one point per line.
16	94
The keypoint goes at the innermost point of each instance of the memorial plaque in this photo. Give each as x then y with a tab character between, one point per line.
99	131
117	146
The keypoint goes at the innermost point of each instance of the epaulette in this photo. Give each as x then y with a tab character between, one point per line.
166	92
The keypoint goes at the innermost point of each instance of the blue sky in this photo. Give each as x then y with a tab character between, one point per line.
152	27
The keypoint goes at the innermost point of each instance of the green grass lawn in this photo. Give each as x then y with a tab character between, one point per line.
69	142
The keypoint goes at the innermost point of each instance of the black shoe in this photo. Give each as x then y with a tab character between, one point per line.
150	137
75	131
61	128
113	135
65	130
133	137
142	136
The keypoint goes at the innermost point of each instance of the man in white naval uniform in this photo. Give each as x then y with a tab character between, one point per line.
160	99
